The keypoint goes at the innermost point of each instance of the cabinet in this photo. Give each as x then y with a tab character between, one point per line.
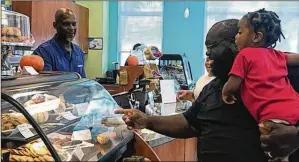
42	16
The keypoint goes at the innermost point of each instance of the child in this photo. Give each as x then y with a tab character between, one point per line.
261	72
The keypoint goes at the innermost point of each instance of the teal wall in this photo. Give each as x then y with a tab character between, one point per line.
180	35
113	34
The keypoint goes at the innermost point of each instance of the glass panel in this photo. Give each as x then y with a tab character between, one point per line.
141	6
140	29
287	11
64	110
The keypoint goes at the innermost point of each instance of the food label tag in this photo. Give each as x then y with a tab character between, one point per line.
82	135
30	70
68	115
79	153
24	129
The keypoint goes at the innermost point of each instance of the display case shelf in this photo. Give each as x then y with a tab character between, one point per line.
20	44
21	140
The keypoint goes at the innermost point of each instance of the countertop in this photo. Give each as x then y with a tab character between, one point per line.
155	139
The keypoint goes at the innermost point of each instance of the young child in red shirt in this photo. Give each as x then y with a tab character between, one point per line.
260	71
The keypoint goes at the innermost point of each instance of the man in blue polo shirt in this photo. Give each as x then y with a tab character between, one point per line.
59	53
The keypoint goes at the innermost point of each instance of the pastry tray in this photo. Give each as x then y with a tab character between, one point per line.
17	140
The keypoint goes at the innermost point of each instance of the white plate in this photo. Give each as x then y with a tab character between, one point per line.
43	107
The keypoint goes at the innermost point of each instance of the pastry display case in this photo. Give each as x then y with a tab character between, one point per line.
16	41
60	118
177	67
14	27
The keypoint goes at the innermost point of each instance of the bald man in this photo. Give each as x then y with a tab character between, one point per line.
59	53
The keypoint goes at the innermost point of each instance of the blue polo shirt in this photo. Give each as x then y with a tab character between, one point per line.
57	58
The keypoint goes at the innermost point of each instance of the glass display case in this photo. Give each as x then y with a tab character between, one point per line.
14	27
177	67
16	41
71	120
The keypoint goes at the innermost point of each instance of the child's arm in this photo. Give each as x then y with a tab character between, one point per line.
231	86
293	59
237	74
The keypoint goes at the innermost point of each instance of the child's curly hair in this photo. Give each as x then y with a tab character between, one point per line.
269	23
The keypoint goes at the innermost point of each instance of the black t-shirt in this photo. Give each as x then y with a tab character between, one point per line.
227	133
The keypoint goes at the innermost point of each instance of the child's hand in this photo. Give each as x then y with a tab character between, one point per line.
230	99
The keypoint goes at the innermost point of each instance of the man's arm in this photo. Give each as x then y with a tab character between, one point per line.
281	140
173	126
293	59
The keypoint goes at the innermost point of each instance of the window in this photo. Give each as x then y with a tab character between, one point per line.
139	22
288	13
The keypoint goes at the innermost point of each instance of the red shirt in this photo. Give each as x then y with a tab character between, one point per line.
266	90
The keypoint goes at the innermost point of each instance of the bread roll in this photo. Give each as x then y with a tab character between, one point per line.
41	117
17	32
103	139
4	31
10	32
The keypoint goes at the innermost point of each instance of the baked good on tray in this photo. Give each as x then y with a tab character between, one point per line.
34	151
103	139
39	98
12	120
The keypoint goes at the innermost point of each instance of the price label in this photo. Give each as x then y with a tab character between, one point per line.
68	115
79	153
82	135
30	70
24	129
27	133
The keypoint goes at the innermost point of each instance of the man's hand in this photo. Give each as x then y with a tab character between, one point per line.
134	118
185	95
229	99
279	140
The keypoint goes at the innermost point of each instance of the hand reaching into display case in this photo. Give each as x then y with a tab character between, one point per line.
134	118
185	95
179	128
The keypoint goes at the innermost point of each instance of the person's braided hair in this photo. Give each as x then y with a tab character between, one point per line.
268	21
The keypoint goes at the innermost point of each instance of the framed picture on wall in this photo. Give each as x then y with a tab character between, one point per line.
95	43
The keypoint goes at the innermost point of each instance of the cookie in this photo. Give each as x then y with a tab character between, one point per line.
24	158
41	158
40	149
22	152
48	158
13	157
30	159
14	151
25	152
32	152
17	157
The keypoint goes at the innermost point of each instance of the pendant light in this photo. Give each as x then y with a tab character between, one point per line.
186	12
